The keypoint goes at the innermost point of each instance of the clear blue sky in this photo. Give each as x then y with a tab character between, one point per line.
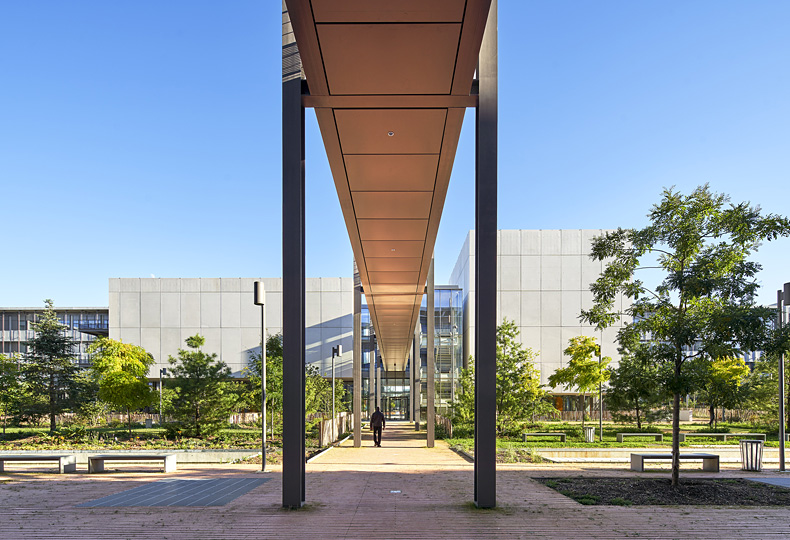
143	138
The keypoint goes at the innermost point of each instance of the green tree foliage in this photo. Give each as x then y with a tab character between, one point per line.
720	383
703	305
464	404
89	409
762	394
205	395
10	386
636	392
318	393
49	367
274	378
585	371
121	372
519	394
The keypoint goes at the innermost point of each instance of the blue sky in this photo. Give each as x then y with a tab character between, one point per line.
143	138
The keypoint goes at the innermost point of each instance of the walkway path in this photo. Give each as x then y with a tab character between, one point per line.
402	490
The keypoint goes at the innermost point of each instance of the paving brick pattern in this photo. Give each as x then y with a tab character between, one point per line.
353	493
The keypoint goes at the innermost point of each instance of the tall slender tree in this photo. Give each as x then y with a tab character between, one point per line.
703	305
585	370
50	366
121	370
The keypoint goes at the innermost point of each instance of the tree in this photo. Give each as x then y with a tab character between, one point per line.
49	367
121	371
205	395
464	404
584	372
10	386
274	377
636	390
519	393
703	305
721	383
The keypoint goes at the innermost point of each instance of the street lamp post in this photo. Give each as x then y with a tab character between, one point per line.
162	374
336	351
259	295
782	300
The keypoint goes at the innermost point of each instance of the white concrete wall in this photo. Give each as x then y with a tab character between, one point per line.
543	279
160	313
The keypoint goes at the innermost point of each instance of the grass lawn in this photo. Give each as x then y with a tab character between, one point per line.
514	449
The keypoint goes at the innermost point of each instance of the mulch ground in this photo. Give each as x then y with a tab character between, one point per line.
658	491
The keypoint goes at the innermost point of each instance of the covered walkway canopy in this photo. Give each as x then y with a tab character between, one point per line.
389	82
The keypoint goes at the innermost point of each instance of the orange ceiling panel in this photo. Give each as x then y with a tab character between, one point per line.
398	172
389	58
414	131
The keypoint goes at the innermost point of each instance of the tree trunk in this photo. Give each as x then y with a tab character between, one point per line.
52	398
675	436
638	418
129	421
712	413
583	407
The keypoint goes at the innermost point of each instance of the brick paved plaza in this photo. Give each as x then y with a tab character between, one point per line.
402	490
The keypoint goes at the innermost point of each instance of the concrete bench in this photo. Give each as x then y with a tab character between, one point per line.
722	436
559	434
96	463
657	436
710	462
66	462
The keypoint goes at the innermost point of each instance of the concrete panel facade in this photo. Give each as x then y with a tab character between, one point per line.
544	278
160	313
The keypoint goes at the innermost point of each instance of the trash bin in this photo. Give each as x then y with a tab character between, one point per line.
589	433
751	455
149	423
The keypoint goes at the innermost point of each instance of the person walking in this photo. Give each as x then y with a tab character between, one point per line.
377	425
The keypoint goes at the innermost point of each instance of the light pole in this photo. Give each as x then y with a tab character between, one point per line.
782	300
336	351
162	374
259	295
600	391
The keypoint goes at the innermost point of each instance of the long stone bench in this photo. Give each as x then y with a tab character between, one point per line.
710	462
722	436
657	436
559	434
96	463
66	462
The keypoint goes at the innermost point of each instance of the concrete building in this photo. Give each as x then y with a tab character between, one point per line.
160	313
543	279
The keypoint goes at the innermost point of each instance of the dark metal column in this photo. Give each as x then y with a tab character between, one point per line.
416	379
357	366
430	417
293	272
485	268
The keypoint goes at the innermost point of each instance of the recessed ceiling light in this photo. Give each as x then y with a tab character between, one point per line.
390	133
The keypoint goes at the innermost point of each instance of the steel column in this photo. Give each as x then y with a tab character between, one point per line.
416	379
293	272
357	354
780	300
486	268
430	417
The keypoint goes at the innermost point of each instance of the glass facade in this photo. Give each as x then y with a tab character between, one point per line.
395	386
84	325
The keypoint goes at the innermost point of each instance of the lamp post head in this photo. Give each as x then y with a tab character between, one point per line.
337	351
786	294
259	293
163	372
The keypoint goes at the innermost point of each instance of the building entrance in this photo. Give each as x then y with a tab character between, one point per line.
395	407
